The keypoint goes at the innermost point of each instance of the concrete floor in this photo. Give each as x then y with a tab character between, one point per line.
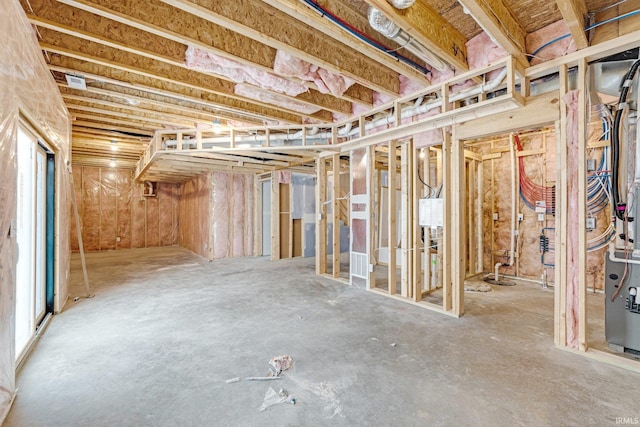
166	329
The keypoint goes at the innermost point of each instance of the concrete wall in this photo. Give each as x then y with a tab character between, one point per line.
111	206
28	89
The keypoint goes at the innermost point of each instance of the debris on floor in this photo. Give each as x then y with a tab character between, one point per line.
393	344
232	380
279	364
477	287
272	398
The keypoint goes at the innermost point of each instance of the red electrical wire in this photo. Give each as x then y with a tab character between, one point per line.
531	191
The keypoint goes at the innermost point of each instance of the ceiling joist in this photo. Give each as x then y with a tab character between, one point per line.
497	19
426	26
264	23
574	12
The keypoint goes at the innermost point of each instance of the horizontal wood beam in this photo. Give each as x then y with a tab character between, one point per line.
574	13
102	125
174	102
132	80
116	102
264	23
425	25
304	13
181	27
89	107
87	50
499	22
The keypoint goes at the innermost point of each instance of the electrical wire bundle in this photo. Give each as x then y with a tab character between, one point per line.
620	208
530	192
363	36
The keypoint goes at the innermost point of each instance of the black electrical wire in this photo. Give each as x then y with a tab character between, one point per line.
431	189
619	207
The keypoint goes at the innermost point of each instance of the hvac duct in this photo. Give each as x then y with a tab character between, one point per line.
401	4
390	30
382	24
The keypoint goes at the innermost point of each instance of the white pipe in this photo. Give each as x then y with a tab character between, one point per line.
385	26
428	106
348	130
514	219
496	273
614	258
345	129
402	4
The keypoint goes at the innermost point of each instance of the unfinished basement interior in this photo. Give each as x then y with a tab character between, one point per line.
319	212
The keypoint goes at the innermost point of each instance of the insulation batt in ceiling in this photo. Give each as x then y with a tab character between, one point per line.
274	99
200	60
326	81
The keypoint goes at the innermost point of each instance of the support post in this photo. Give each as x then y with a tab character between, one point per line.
393	226
458	256
447	235
321	216
336	216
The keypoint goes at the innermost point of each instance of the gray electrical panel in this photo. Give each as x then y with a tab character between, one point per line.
622	315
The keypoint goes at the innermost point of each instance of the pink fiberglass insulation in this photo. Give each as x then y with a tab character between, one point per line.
358	109
430	137
546	34
284	177
249	187
408	86
380	99
220	213
238	214
338	117
200	60
274	99
326	81
572	319
481	51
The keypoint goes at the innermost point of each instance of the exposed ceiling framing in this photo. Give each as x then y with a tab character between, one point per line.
131	56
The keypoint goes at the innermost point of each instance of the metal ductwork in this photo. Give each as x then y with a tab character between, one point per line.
401	4
391	30
382	24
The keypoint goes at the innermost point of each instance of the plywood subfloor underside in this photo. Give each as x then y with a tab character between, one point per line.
166	329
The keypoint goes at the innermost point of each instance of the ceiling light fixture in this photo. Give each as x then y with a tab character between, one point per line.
217	127
112	163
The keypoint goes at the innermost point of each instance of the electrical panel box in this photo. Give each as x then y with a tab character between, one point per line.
430	212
